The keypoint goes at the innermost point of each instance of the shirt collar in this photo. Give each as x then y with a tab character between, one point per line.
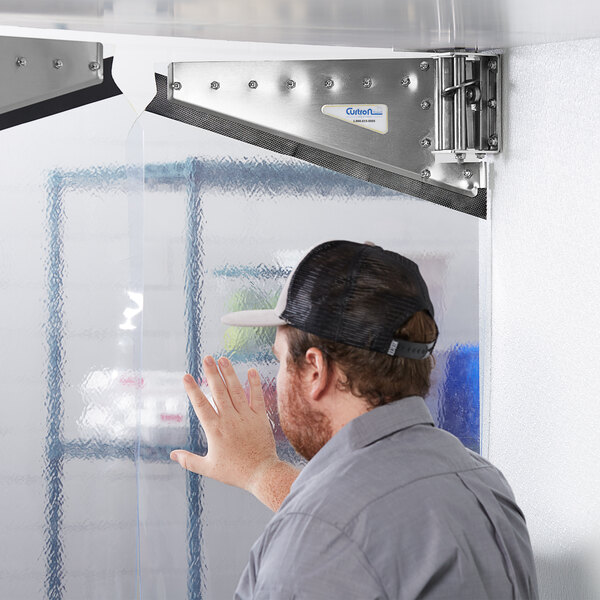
368	428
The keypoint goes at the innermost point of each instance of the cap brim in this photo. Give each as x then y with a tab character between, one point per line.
253	318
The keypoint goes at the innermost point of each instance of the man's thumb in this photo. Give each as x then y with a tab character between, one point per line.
188	460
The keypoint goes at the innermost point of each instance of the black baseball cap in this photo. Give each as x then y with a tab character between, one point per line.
355	294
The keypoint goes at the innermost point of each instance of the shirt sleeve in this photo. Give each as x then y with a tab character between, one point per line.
300	557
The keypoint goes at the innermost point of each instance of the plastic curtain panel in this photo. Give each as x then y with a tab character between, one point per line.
121	245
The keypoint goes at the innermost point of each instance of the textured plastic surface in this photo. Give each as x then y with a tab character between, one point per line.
111	291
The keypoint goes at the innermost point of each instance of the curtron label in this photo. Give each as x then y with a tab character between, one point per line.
369	116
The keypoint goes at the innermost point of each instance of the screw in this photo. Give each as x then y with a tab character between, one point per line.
425	105
492	103
405	81
493	65
176	85
467	174
329	83
58	64
493	141
425	142
367	82
291	84
460	156
94	66
215	85
480	155
425	173
21	61
424	66
253	84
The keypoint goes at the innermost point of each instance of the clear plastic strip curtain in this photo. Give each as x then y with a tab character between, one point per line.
122	244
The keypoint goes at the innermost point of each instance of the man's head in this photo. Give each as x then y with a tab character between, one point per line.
353	320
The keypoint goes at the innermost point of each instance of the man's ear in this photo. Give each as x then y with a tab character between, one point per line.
317	375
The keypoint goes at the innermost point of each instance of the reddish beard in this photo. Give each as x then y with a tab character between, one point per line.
307	429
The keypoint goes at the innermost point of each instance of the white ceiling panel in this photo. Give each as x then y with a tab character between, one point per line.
401	24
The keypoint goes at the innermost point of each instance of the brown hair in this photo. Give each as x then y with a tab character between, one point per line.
375	377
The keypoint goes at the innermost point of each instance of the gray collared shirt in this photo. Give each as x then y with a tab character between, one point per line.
394	508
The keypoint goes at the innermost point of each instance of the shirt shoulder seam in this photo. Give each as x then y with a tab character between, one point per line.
455	472
373	573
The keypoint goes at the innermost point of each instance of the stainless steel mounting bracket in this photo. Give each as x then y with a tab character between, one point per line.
33	70
426	118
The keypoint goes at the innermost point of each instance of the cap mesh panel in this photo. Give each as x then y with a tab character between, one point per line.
355	294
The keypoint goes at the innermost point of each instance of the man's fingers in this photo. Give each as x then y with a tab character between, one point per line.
257	398
204	411
217	385
234	387
190	461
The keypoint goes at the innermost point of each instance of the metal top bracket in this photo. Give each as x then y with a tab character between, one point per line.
429	117
33	70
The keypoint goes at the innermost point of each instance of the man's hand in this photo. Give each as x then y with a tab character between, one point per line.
241	446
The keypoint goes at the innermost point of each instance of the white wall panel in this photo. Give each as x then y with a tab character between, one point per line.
545	413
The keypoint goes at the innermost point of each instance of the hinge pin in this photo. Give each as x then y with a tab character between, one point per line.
21	61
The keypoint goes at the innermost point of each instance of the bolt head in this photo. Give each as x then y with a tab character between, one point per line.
425	105
58	63
493	65
424	66
94	66
176	85
367	82
425	142
290	84
467	174
493	141
253	84
492	103
329	83
425	173
21	61
215	85
405	81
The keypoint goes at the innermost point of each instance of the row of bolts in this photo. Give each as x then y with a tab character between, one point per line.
291	84
57	63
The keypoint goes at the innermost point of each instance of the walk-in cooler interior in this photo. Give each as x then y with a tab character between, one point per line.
125	235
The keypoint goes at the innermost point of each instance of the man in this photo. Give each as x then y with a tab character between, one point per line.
388	506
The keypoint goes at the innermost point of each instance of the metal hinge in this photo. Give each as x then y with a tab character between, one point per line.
467	108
